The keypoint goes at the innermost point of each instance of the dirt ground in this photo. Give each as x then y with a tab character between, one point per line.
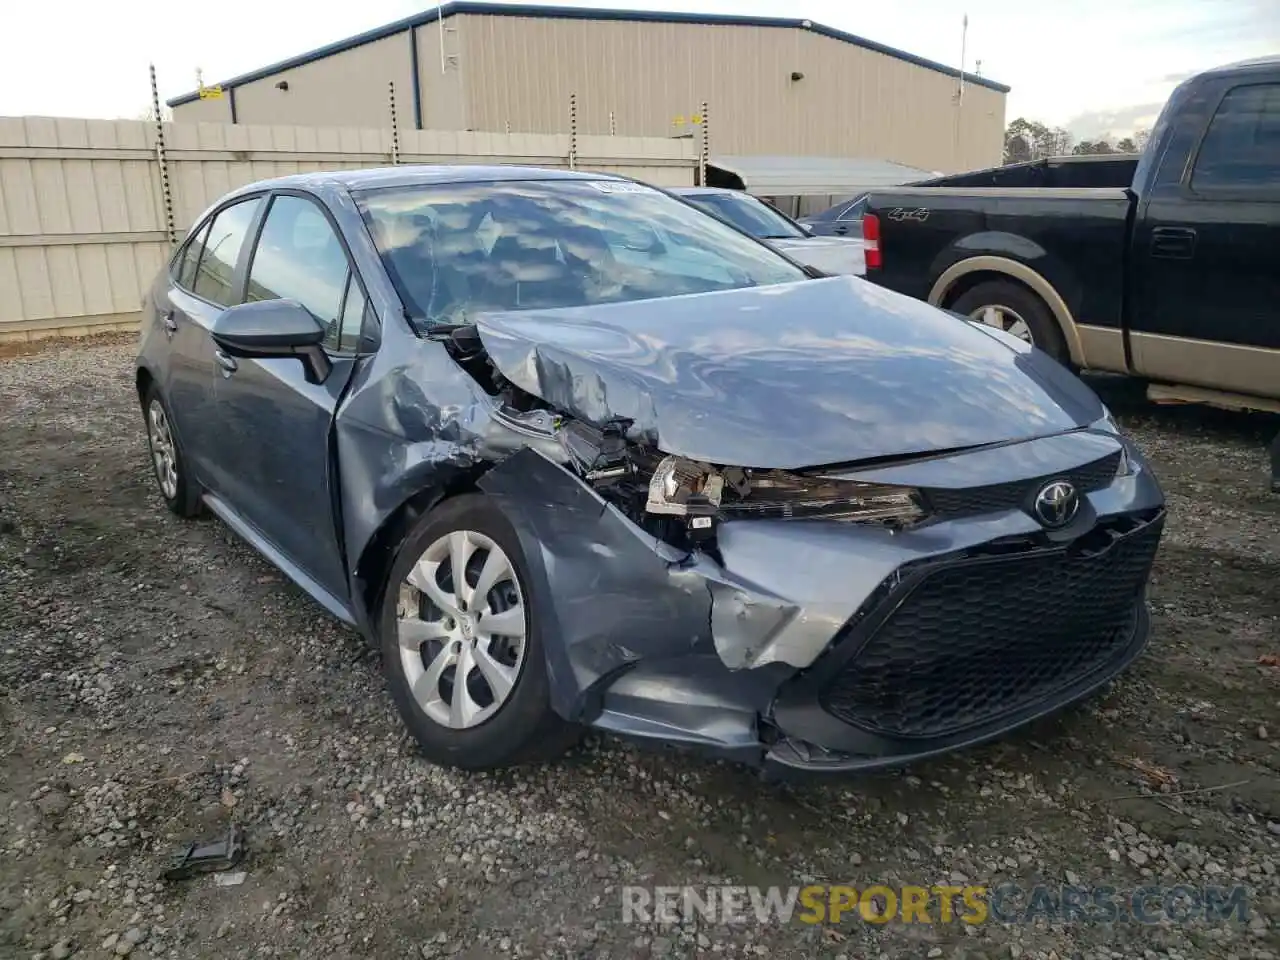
158	681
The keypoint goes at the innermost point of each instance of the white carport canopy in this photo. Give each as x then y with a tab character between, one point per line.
811	176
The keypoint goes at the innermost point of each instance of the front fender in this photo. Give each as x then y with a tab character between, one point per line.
605	595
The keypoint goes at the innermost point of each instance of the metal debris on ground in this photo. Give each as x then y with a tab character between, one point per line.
212	857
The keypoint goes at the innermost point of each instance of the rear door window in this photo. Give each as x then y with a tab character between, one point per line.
185	269
215	274
1241	150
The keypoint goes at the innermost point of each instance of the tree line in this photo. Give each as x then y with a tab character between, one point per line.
1031	140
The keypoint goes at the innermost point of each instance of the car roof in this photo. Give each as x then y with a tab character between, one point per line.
1264	64
408	175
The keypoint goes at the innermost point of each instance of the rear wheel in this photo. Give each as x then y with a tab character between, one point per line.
180	492
461	648
1015	309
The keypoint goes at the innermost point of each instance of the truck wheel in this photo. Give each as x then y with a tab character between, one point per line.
461	646
1014	309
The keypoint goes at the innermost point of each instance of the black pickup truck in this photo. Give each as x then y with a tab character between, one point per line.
1171	272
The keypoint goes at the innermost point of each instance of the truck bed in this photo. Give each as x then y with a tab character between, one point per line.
1094	171
925	229
1171	277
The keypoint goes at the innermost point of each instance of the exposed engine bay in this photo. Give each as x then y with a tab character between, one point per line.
675	499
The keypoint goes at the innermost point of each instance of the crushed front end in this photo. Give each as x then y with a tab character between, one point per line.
834	620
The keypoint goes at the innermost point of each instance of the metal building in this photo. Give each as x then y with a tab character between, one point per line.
781	87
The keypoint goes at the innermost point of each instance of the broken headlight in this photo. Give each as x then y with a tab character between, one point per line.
682	488
687	488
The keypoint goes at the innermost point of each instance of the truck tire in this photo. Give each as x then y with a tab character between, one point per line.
1016	309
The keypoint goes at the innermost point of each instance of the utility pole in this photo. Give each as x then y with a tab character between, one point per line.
162	161
395	125
964	37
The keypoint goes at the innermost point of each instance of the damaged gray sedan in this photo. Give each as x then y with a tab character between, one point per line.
573	454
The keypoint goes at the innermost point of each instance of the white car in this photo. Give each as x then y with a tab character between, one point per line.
831	255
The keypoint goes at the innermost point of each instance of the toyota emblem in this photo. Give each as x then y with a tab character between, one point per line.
1057	504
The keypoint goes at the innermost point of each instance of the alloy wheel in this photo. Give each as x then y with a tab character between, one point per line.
1003	318
163	453
461	625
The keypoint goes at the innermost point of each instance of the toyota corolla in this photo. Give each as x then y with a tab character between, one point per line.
573	454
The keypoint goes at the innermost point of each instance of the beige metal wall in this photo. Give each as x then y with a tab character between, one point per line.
347	89
851	102
495	72
82	225
212	110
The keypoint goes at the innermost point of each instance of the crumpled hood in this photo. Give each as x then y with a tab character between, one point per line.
795	375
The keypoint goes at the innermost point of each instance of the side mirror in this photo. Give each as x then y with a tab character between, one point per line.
274	328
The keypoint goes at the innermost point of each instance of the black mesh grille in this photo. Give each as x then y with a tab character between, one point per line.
990	636
1009	496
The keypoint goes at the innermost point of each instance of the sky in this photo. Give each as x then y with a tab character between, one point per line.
1092	66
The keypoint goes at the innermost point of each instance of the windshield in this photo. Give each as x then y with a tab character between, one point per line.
455	250
749	214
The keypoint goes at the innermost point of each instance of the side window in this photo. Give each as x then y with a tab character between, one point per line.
854	210
221	251
299	257
353	311
1241	150
185	269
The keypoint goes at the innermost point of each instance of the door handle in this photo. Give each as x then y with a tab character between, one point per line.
170	323
1173	243
841	230
226	362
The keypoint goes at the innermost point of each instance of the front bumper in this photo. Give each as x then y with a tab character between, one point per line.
736	653
921	671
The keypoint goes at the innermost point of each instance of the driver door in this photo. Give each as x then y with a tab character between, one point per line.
273	426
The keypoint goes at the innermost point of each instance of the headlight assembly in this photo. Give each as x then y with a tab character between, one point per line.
1107	422
683	487
1127	466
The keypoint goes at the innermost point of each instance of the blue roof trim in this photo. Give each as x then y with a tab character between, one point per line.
585	13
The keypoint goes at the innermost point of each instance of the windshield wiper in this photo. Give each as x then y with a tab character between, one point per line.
445	331
464	336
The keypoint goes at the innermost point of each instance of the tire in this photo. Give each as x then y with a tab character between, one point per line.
181	494
1012	300
497	729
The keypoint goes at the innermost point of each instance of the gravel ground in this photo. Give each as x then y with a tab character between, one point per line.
158	680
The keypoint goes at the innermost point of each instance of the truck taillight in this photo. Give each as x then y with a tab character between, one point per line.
871	241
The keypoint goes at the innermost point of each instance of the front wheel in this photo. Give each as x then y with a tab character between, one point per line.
461	648
1013	308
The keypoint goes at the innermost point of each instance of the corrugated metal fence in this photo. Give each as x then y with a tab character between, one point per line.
82	219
